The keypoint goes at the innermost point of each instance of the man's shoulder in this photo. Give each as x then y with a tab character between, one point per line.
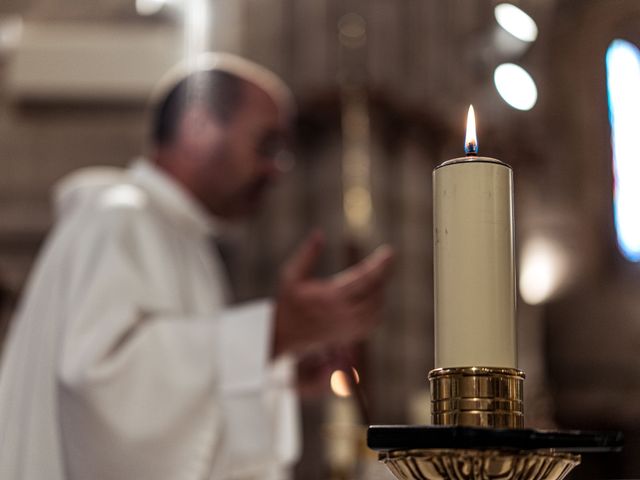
121	208
124	198
119	211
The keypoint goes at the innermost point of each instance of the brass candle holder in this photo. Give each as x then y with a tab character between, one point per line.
478	433
477	397
479	464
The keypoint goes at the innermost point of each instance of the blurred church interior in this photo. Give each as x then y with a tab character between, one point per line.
383	87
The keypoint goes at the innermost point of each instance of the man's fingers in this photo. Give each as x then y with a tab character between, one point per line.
303	261
360	279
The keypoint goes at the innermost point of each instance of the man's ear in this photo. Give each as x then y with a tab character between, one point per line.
198	129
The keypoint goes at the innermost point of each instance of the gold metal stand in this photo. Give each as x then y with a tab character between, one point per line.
474	464
478	397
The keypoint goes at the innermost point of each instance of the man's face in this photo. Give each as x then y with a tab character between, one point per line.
237	162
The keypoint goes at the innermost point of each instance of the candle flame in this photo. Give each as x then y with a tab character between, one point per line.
340	384
471	139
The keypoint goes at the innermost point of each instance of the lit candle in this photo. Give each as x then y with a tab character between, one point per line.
342	427
474	270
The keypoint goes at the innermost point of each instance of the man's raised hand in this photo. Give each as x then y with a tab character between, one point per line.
314	313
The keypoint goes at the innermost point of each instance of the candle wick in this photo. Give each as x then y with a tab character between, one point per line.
471	149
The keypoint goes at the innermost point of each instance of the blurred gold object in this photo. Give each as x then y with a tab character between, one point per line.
461	464
477	397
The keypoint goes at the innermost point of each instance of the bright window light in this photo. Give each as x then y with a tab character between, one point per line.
623	86
196	27
516	22
515	86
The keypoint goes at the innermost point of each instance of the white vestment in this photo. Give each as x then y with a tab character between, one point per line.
124	360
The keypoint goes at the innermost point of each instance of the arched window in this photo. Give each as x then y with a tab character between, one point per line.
623	87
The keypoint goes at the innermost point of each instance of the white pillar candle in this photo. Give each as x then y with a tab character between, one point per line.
474	270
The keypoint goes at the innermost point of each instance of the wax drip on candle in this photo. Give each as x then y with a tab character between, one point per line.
471	139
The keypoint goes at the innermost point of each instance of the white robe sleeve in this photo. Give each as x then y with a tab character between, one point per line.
239	380
145	391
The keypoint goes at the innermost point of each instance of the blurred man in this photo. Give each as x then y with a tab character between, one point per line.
125	360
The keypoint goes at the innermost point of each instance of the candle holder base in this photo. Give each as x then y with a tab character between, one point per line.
415	452
478	464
